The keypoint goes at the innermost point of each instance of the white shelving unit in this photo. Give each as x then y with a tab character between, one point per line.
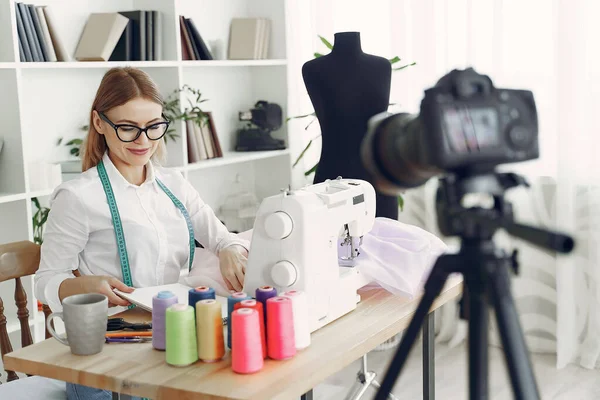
42	101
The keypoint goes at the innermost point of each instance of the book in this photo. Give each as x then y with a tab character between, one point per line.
124	49
59	47
203	51
142	297
32	39
186	45
100	36
23	37
37	26
46	32
249	38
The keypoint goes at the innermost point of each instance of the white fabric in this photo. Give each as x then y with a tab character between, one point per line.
79	233
398	256
34	388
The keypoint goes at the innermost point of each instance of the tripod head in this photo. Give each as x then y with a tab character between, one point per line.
480	224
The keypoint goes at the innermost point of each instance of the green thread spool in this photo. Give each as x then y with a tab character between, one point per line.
180	326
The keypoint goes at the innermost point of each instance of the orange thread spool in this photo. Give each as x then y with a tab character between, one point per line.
255	305
246	352
281	343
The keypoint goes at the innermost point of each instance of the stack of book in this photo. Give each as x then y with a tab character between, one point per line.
193	46
249	38
123	36
142	38
202	140
38	38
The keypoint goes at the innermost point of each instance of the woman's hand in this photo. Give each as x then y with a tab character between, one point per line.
95	284
232	262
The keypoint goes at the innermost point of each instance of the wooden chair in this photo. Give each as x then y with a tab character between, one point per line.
18	260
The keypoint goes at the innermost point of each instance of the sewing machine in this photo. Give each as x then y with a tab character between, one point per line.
307	240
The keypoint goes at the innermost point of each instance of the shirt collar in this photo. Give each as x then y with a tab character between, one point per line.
115	175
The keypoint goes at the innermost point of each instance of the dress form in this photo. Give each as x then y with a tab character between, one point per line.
347	87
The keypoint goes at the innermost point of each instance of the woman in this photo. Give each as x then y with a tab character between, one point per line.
124	193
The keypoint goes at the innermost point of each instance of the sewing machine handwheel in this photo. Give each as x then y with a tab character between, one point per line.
278	225
284	274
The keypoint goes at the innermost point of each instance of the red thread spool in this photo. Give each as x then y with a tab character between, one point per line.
255	305
281	343
246	352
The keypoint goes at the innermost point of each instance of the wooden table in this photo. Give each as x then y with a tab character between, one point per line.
139	370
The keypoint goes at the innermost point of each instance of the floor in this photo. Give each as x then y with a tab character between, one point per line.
571	383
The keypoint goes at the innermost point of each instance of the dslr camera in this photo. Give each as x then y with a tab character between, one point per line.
465	126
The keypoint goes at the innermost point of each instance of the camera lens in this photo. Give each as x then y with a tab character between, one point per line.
392	151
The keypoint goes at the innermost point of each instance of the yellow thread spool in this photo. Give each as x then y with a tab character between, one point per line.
209	330
181	341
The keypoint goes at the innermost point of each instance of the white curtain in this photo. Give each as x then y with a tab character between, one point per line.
547	46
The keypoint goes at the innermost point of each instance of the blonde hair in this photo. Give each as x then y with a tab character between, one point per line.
118	86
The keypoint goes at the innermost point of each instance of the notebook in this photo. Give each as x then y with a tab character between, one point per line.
142	297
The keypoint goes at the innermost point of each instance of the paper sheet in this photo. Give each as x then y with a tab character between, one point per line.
142	297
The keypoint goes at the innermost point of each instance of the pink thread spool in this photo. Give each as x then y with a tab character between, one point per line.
160	302
246	353
281	343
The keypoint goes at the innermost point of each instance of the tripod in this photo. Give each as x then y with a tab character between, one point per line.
486	280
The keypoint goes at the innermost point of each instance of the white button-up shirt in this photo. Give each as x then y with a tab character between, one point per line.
79	233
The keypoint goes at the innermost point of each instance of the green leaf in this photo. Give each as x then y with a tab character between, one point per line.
74	151
394	60
74	142
317	55
302	153
310	171
401	203
59	141
329	45
404	66
36	202
313	114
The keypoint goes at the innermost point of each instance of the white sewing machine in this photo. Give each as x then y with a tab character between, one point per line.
296	245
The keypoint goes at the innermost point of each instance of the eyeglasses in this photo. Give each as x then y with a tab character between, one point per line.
130	133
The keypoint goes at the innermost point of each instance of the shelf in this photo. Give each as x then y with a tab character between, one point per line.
141	64
40	193
8	197
233	158
233	63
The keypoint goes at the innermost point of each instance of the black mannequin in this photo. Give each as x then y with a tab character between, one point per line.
346	88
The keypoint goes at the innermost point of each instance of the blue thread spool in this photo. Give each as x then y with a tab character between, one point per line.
231	302
200	293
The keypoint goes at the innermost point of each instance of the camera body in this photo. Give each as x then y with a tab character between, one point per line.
465	125
467	121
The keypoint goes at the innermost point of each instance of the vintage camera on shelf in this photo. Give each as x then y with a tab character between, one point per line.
465	126
264	118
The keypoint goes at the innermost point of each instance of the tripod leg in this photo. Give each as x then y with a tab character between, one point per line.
429	358
433	287
517	356
478	338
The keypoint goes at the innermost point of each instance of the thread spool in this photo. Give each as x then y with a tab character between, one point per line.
263	294
182	347
200	293
209	330
255	305
160	302
281	343
300	316
246	354
231	301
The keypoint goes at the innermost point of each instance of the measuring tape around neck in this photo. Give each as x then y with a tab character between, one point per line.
118	225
